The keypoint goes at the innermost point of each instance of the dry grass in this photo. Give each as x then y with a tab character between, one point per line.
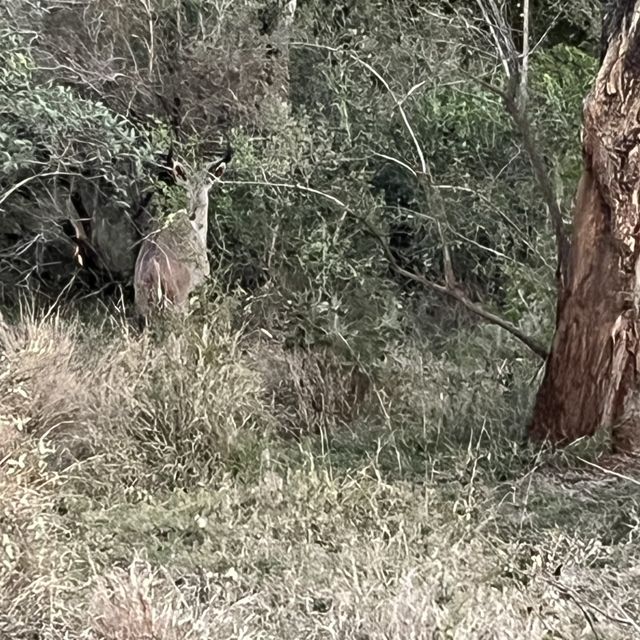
148	494
311	391
140	603
44	385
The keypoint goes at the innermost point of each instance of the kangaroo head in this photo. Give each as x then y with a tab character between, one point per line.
197	184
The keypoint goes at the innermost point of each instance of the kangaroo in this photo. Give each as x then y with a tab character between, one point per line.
172	260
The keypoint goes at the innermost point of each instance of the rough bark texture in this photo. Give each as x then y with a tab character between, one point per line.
591	377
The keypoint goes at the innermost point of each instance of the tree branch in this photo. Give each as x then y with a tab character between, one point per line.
450	289
541	175
515	96
453	291
524	69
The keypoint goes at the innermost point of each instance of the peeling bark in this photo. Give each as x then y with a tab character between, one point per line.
591	377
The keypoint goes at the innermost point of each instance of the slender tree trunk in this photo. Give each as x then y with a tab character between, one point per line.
591	378
277	21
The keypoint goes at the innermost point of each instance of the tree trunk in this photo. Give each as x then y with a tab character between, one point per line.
277	21
591	377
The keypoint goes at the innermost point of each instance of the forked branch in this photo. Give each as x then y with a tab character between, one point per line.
515	99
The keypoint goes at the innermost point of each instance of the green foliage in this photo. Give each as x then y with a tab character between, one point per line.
213	476
561	78
50	126
284	243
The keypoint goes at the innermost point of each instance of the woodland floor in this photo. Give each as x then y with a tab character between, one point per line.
414	532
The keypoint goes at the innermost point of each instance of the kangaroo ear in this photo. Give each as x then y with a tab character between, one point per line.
179	172
219	169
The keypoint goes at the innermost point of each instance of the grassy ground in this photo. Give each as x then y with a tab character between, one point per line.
152	490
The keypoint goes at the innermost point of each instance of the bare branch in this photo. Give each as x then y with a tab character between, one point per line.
20	184
397	161
497	35
287	185
524	72
385	84
516	67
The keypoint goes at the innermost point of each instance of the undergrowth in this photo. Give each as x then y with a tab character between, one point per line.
202	481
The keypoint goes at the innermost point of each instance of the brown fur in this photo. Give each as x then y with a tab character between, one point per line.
173	260
160	278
